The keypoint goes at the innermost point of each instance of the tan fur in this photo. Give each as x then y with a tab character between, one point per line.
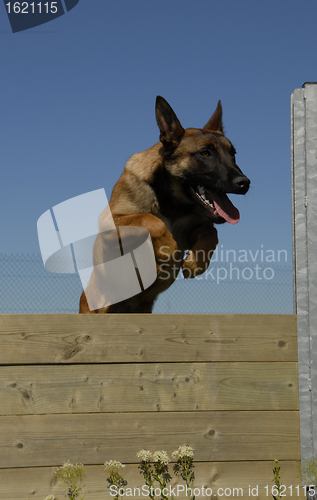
176	223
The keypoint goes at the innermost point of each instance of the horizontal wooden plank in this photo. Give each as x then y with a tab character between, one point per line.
148	387
36	484
43	440
111	338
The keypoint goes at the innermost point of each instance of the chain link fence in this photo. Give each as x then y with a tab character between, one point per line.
26	287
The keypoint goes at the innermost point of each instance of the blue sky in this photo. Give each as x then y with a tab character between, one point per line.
78	96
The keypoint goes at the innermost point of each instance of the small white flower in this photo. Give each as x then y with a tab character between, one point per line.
113	464
145	455
50	497
161	456
183	451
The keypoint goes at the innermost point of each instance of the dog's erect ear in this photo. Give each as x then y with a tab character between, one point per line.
215	122
168	123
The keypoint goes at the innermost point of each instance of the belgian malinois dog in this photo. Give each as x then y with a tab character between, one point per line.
177	190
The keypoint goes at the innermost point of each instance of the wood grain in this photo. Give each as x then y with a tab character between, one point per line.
36	484
94	388
67	338
148	387
44	440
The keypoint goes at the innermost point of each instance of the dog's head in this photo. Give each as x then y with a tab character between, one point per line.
203	162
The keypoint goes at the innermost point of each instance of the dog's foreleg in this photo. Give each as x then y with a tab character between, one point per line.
168	263
165	247
199	255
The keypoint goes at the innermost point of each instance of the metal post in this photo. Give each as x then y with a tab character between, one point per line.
304	183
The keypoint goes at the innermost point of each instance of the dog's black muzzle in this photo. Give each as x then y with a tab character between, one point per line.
240	185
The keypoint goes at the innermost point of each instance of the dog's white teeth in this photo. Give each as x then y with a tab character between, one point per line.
207	201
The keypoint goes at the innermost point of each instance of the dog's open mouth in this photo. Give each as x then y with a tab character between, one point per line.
218	205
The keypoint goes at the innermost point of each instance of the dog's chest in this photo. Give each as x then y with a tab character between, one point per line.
167	223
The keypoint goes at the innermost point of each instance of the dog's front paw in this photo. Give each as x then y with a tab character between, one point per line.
199	256
190	266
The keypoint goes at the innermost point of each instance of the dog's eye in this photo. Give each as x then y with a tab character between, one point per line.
205	153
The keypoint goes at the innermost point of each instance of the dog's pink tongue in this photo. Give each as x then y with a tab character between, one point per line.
224	207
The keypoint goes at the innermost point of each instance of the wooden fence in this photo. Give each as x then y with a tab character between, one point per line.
94	388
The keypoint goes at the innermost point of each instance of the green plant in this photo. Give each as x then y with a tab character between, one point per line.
115	477
309	472
184	466
72	476
160	473
156	474
277	480
146	469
